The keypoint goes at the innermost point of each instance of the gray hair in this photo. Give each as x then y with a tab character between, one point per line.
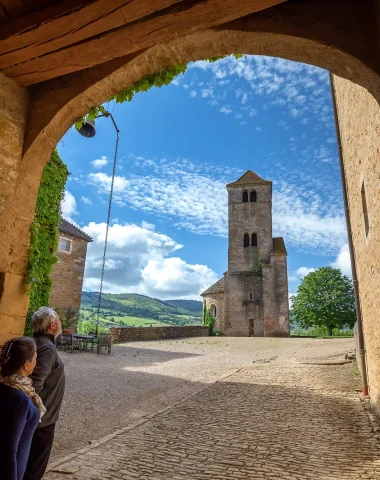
42	318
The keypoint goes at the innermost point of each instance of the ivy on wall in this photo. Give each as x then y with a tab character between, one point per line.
208	320
159	79
256	263
44	232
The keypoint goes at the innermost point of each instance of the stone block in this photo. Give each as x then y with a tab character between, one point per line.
11	326
13	295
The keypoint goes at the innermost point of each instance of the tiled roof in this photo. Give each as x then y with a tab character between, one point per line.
249	178
70	229
279	246
218	287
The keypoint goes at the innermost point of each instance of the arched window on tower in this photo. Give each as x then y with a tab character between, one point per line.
245	196
253	196
253	240
246	240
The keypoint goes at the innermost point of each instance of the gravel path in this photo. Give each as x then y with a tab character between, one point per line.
276	409
105	393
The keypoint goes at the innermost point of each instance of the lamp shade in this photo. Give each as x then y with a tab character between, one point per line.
88	129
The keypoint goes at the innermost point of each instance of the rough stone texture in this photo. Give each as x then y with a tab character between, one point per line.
251	304
290	413
68	274
276	297
129	334
13	111
359	121
13	292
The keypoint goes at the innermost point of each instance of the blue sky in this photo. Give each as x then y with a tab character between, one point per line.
179	146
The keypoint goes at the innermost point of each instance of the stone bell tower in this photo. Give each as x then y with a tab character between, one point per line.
249	221
252	298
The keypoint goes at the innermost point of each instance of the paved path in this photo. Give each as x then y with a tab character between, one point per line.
283	415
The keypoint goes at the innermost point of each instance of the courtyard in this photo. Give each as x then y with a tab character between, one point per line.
215	408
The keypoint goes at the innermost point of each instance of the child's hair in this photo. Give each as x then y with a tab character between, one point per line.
14	353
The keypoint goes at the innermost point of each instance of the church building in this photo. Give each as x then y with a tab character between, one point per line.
252	297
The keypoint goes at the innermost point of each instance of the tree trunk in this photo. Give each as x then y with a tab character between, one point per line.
330	331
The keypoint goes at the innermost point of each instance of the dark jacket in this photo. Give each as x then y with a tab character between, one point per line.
49	378
18	420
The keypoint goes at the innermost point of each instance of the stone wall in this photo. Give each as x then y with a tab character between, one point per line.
249	217
359	121
68	274
276	298
129	334
13	248
239	309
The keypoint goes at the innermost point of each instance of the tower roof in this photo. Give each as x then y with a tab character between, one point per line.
249	178
67	227
218	287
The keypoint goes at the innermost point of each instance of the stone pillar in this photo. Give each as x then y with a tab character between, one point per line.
275	298
359	124
13	294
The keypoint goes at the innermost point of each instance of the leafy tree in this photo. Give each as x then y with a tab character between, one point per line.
326	299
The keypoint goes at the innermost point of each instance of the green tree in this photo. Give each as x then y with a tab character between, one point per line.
326	299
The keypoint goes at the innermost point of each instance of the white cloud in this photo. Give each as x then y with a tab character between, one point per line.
225	110
193	94
207	92
86	200
343	261
137	261
69	206
194	197
300	88
173	277
148	226
100	162
303	271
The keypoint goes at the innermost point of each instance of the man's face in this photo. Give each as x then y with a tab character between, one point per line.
56	327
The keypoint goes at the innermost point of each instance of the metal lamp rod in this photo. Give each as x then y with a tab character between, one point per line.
108	218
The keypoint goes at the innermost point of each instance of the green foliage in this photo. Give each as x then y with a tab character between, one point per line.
256	263
320	332
44	232
208	320
159	79
325	298
87	326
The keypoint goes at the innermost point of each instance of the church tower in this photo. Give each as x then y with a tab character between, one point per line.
252	298
249	221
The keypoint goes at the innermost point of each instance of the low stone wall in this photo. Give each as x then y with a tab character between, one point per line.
132	334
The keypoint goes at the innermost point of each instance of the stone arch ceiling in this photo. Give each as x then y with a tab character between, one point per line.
98	55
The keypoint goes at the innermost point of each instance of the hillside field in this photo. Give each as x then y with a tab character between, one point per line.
134	310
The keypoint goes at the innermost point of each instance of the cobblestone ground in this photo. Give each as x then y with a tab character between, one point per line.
279	417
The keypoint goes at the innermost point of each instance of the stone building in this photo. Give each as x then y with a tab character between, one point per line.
68	272
252	297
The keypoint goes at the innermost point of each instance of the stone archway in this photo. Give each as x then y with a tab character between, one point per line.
342	37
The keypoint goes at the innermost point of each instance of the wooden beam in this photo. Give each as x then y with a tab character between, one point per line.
68	23
183	18
17	8
30	22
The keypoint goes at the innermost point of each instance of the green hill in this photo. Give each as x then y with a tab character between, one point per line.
134	310
194	306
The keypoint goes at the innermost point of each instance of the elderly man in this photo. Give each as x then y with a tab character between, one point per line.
49	381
